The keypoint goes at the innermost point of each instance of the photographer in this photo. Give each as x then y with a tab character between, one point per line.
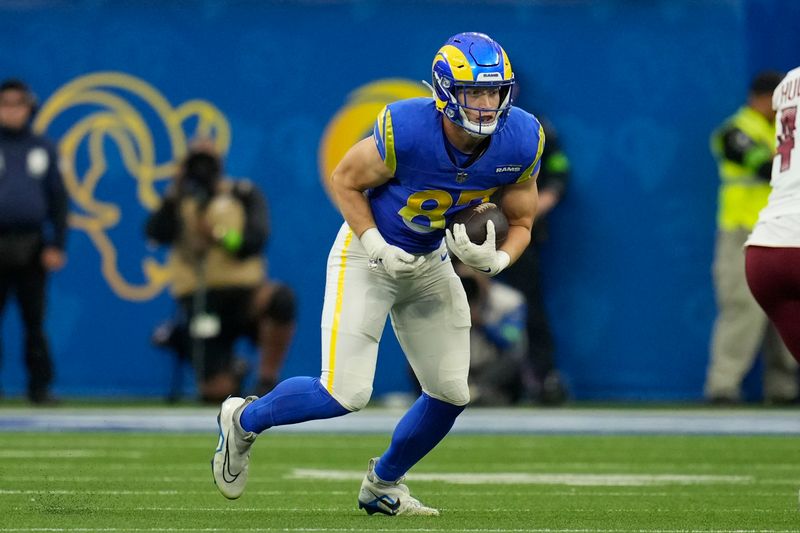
217	229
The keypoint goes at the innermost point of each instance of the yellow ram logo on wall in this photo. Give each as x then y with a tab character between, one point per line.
111	110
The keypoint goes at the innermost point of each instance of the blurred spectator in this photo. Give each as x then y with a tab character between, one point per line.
217	229
497	339
525	276
744	146
33	226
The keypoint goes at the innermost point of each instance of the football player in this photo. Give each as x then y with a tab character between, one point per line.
428	158
772	260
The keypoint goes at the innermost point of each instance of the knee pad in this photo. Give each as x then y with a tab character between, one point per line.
454	392
281	307
353	400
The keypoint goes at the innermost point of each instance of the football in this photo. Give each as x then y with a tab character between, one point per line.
475	219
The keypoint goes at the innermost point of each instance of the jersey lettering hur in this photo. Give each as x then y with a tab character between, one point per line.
785	197
413	208
779	222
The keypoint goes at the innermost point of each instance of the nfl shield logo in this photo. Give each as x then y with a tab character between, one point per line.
461	177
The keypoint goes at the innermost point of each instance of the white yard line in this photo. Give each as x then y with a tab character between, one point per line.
404	530
503	478
476	420
451	491
339	510
10	453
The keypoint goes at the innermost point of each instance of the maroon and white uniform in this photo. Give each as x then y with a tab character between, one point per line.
773	248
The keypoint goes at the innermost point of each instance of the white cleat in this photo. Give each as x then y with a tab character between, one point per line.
390	498
232	456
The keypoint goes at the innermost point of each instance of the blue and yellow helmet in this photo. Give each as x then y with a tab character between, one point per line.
469	60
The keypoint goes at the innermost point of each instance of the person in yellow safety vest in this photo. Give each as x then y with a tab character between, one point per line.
744	146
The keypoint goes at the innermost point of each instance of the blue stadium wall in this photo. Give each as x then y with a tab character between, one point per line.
634	89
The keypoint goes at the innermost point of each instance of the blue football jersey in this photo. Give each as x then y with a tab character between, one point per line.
413	208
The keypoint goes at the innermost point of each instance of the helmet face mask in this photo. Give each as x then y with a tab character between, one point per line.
481	117
472	63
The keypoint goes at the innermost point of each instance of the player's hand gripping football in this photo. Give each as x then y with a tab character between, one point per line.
482	257
395	261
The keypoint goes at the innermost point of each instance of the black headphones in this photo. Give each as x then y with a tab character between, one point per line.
15	84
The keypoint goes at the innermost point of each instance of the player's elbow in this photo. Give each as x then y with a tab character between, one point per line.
339	180
524	224
343	187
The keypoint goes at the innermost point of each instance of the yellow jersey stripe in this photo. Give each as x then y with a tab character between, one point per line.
381	118
388	141
529	171
337	311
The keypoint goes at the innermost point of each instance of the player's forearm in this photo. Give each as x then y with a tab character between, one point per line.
355	209
519	237
520	205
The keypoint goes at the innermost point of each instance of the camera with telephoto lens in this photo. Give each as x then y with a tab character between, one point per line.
202	171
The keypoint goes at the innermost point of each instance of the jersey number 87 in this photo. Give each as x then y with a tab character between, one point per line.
433	204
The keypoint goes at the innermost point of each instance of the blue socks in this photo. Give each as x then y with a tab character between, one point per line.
304	398
417	433
294	400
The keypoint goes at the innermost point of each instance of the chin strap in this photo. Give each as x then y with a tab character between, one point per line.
475	134
429	86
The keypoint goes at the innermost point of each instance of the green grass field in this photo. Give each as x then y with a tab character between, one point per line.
487	483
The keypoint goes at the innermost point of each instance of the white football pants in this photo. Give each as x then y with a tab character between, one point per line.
430	316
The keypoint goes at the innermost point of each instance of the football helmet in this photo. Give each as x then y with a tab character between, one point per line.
472	60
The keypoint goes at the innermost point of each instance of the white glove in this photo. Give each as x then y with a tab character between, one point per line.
395	261
482	257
